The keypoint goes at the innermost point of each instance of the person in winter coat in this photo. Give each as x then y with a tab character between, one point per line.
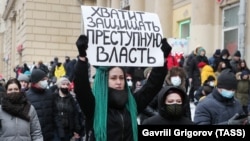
221	107
220	68
205	89
235	62
214	58
224	57
19	121
171	104
175	77
243	88
25	81
110	108
42	99
59	71
194	72
206	71
65	112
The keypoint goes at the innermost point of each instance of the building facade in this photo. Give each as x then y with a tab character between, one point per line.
37	30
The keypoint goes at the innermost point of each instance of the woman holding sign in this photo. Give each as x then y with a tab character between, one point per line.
110	108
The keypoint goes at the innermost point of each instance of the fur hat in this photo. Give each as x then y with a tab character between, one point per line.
227	80
37	75
23	77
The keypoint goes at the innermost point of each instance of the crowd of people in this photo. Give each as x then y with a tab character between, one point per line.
59	103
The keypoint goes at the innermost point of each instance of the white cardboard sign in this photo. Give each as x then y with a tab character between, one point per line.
122	38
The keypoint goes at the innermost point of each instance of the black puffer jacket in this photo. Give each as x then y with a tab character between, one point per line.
42	100
66	115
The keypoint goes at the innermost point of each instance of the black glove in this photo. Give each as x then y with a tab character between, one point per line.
82	45
236	120
165	47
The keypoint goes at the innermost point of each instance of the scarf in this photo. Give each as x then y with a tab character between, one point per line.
16	104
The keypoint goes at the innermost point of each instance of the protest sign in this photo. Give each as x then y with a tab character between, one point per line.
122	38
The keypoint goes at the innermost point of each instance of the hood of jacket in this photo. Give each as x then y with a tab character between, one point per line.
164	92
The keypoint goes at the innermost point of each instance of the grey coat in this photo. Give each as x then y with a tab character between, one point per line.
16	129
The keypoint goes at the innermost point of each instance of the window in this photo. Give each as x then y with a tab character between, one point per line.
230	28
184	29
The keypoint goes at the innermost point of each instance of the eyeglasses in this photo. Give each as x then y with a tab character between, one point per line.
129	79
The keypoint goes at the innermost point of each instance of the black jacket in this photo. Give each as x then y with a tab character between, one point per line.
66	115
119	125
161	119
42	100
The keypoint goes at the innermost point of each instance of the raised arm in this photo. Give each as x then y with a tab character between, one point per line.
82	86
154	82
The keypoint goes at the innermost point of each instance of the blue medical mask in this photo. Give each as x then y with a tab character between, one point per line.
227	94
175	80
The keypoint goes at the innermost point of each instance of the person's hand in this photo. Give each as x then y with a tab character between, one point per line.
165	47
76	135
82	45
248	119
236	120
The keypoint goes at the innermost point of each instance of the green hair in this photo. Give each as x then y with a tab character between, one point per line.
100	91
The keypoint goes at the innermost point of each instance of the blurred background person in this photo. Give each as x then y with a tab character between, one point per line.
42	99
65	114
243	89
25	81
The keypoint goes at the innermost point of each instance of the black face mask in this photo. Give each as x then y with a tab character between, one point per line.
117	98
64	90
172	110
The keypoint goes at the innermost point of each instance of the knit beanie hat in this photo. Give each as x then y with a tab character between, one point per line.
201	64
28	73
227	80
237	53
62	80
217	52
244	72
200	50
37	75
23	77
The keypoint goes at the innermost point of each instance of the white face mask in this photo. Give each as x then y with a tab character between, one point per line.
211	83
43	84
224	57
130	83
176	80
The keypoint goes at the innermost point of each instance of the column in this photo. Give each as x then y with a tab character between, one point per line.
202	25
164	9
137	5
115	4
102	3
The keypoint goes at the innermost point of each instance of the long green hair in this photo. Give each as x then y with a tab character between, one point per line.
100	91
